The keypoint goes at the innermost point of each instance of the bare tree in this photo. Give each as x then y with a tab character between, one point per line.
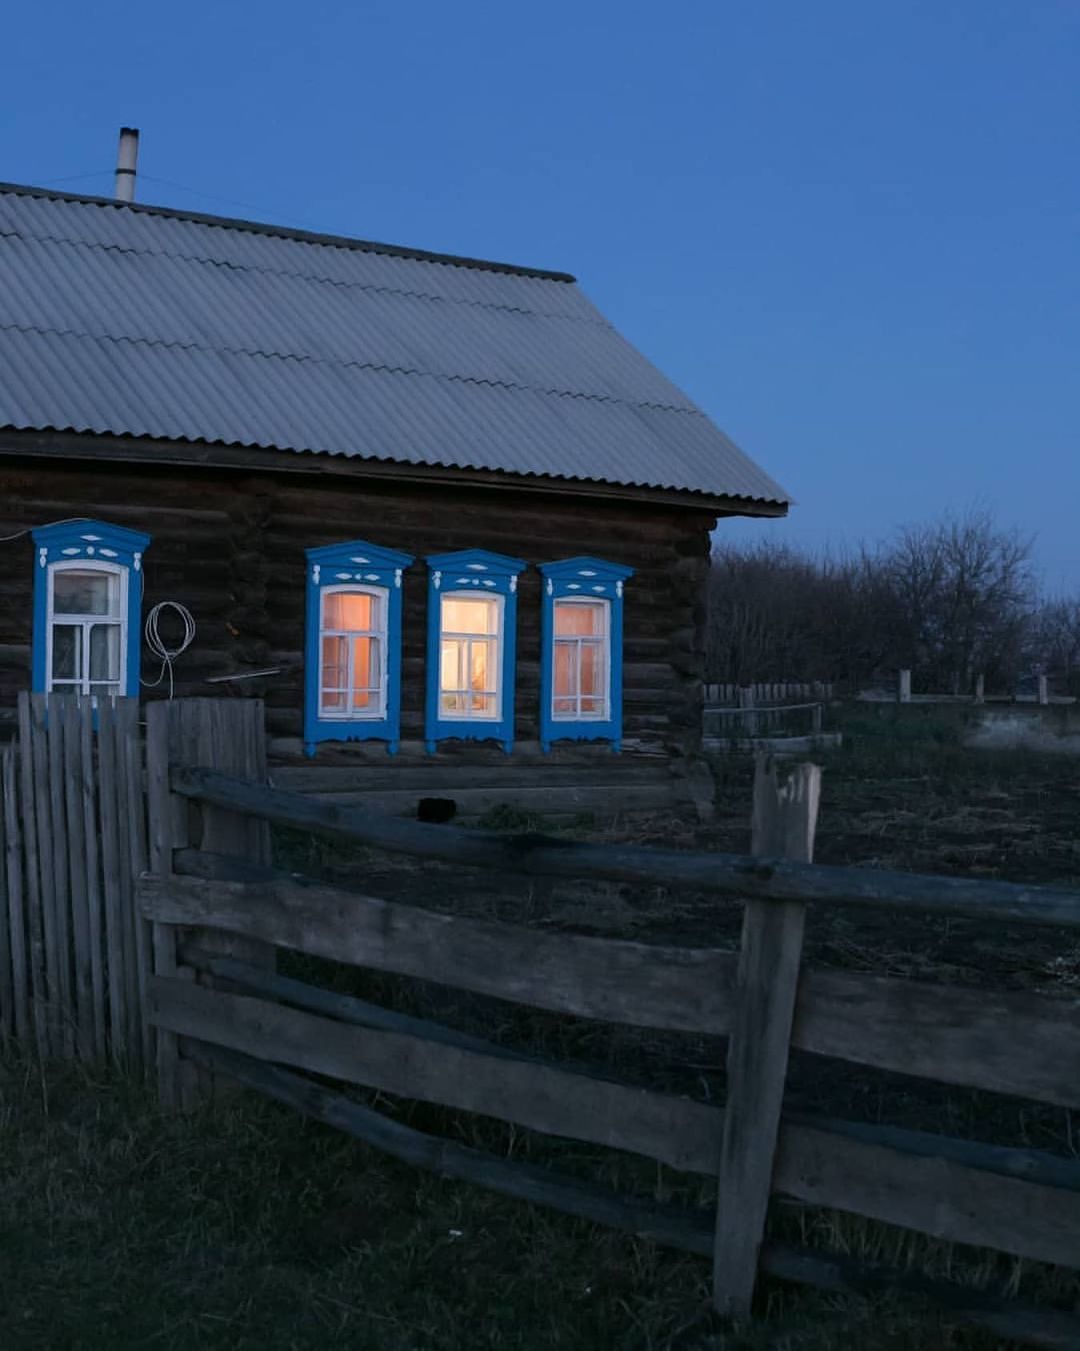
950	600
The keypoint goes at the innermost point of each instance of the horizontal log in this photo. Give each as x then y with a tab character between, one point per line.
1021	1043
727	874
434	774
539	1096
641	985
673	1227
935	1186
846	1169
1008	1319
1024	1044
538	800
238	976
1027	1165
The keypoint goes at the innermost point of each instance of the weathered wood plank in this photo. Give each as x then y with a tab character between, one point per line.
13	869
542	1097
1008	1319
92	861
34	909
228	734
784	822
244	978
112	865
1019	1043
726	874
431	778
682	1229
608	800
137	861
57	772
936	1186
161	834
38	752
589	977
74	859
7	921
123	725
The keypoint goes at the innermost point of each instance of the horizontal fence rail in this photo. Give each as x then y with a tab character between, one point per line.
725	874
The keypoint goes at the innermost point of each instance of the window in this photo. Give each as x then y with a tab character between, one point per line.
469	635
352	653
581	660
87	608
472	607
353	644
581	656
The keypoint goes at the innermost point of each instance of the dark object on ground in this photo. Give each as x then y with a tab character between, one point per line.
436	810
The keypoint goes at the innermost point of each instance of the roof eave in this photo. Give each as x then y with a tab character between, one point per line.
215	455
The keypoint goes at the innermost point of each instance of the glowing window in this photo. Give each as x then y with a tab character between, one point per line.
581	660
352	653
470	660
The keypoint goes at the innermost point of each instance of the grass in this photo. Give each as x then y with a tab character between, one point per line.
244	1226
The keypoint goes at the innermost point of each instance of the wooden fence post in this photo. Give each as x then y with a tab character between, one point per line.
227	735
903	688
784	823
1044	690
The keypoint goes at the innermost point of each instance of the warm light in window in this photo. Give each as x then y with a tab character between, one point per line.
469	656
352	648
581	660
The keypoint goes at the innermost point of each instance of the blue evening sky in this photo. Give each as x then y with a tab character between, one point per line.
848	228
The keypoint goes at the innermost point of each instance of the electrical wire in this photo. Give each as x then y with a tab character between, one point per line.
68	520
157	646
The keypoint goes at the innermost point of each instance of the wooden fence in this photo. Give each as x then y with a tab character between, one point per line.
220	912
784	691
74	955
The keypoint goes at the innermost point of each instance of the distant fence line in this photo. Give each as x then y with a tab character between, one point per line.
764	693
732	697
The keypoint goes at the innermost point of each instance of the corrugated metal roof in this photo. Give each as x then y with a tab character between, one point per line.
138	321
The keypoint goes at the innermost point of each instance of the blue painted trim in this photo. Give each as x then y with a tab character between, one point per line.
586	578
88	542
363	564
476	572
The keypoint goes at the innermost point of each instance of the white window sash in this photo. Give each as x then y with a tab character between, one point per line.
376	710
463	643
601	640
81	682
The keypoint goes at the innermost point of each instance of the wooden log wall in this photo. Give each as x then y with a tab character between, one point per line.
229	545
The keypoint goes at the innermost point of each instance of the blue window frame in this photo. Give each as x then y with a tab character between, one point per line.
581	635
88	584
472	627
352	644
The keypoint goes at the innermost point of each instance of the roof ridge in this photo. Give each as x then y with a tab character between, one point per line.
177	345
288	232
313	277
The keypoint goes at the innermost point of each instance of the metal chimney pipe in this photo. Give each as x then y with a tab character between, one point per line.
127	157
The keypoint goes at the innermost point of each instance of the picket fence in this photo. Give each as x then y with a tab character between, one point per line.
776	693
74	954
